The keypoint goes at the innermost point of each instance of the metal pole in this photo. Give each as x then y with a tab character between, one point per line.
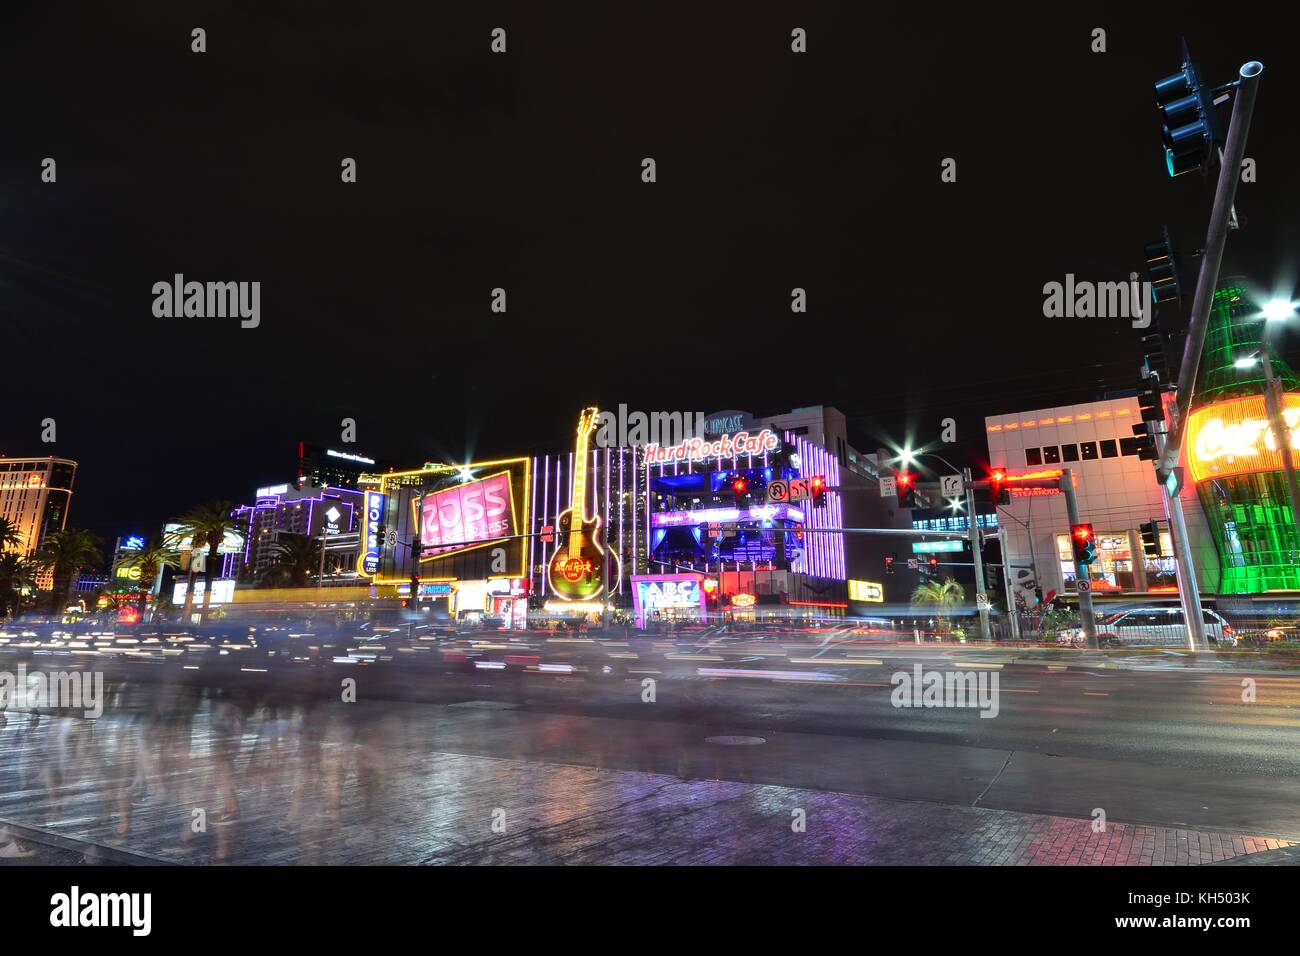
1083	583
1006	584
1234	151
981	596
1281	434
1189	592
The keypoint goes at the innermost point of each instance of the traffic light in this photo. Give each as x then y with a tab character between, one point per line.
1085	545
905	484
889	563
1149	401
1162	271
1190	123
1155	359
740	486
1151	539
934	564
999	493
817	489
1145	443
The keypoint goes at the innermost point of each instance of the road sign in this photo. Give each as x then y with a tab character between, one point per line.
392	539
799	489
715	529
951	486
1083	586
914	563
981	600
548	533
929	547
778	491
887	488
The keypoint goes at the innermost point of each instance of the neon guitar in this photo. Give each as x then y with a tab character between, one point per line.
575	570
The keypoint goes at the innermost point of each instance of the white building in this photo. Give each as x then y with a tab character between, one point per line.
1117	493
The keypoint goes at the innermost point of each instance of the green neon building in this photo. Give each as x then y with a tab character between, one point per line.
1249	514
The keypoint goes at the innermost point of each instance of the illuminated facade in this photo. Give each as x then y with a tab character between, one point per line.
1232	455
333	514
1117	493
35	495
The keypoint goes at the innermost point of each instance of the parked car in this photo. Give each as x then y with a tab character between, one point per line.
1151	627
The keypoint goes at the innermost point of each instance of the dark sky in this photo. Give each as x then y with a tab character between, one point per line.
522	170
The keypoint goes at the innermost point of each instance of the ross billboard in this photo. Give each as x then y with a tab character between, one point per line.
467	515
373	512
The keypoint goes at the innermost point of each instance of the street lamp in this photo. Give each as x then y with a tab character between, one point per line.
1275	313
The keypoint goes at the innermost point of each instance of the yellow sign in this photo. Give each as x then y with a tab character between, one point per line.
1233	437
129	572
868	591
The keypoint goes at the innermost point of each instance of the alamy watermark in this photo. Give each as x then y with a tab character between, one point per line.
1098	300
624	429
62	690
922	688
209	300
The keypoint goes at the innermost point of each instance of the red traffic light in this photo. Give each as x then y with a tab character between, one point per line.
904	479
998	476
740	486
1082	532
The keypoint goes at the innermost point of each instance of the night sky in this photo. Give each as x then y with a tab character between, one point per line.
523	171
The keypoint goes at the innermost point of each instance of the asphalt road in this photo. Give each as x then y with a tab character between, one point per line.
1171	744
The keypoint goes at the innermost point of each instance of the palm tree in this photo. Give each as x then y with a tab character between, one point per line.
65	553
10	536
943	595
206	524
154	556
295	556
17	575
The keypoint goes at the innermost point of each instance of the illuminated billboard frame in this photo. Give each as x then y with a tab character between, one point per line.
393	478
1233	437
417	508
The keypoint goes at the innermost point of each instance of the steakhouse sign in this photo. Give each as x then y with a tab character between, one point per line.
1234	438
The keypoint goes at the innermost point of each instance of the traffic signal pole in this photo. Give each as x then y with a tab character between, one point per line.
1216	237
1083	581
1221	217
981	594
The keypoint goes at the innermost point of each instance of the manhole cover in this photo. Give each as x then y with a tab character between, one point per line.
735	741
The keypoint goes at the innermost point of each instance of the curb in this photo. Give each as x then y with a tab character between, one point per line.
104	853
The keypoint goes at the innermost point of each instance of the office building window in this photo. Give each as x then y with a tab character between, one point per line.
1088	450
1033	456
1069	452
1108	449
1051	455
1131	446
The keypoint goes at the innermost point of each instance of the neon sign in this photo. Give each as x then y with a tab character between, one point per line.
727	446
743	600
867	591
470	513
657	593
1233	437
374	515
674	519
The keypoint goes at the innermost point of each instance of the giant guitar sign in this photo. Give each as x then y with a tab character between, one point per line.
576	572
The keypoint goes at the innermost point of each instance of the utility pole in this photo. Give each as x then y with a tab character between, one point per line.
981	595
1083	582
1006	584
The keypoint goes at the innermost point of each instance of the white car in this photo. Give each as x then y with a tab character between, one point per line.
1151	627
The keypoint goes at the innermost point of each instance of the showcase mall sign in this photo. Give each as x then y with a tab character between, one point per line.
701	449
1234	438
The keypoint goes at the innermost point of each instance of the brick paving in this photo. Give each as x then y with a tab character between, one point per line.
290	787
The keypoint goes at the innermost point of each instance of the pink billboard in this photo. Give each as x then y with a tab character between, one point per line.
467	514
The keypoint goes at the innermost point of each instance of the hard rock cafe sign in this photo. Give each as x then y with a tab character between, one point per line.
1233	437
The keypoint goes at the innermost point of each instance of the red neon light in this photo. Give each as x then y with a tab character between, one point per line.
818	604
